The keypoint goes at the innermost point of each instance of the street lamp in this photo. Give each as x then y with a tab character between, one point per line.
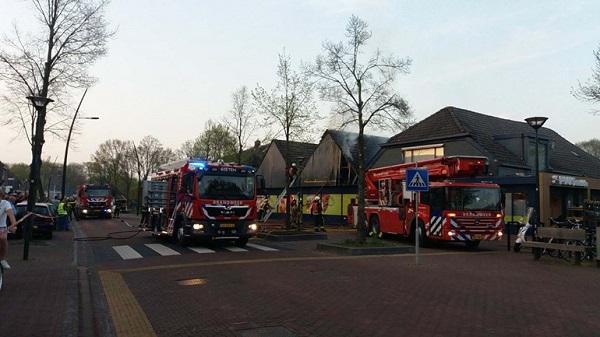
536	123
64	168
39	103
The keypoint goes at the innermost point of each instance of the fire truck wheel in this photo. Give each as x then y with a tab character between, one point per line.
472	244
241	242
181	239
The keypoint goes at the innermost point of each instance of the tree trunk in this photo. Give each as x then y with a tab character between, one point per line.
139	196
360	227
287	179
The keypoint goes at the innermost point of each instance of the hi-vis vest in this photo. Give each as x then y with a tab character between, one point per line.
61	209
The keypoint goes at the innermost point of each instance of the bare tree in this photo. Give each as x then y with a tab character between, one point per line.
591	146
241	120
290	105
362	92
109	162
215	142
590	91
149	155
73	35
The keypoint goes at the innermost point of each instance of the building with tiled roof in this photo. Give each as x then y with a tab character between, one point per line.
568	176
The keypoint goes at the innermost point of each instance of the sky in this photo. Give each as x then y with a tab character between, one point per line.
173	64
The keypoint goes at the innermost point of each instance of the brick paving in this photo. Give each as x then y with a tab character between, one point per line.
465	294
39	297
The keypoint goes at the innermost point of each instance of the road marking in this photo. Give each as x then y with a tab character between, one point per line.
162	249
264	248
236	249
290	259
201	250
127	253
127	316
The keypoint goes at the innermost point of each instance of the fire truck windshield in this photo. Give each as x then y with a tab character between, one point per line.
226	187
97	192
473	199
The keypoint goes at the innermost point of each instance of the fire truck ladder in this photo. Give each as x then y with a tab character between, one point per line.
279	197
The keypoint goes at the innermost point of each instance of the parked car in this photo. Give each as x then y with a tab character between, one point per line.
42	226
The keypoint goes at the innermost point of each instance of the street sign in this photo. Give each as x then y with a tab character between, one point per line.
417	180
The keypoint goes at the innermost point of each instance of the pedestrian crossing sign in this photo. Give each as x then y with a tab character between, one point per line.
417	180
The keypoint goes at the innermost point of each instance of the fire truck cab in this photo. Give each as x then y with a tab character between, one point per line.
93	200
204	200
456	208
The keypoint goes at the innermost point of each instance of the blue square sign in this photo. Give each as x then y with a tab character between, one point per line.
417	180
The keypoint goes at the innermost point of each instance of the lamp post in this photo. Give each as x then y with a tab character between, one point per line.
64	168
39	103
536	123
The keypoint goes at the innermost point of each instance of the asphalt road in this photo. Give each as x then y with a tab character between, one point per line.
144	287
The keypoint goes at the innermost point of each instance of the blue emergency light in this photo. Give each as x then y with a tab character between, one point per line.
197	164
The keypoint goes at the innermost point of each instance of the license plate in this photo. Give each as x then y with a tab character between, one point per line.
477	237
35	227
227	225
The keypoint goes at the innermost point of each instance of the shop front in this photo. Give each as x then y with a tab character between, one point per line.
563	196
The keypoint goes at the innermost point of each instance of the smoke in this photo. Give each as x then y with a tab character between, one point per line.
348	142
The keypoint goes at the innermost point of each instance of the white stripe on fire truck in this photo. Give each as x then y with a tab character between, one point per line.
127	253
161	249
436	225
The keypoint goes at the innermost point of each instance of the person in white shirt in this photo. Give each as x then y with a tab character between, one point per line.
6	211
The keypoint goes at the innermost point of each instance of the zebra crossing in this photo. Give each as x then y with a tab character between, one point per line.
127	252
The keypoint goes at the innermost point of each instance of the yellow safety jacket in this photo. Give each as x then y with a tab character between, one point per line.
61	209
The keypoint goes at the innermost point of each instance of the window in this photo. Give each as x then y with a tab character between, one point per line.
226	187
412	155
473	199
542	153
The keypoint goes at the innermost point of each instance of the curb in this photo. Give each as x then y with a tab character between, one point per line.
344	250
292	237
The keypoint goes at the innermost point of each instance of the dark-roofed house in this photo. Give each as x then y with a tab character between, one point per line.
272	166
331	171
568	174
333	163
252	156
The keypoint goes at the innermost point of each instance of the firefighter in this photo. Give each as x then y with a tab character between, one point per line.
295	212
316	210
292	171
145	219
265	207
63	218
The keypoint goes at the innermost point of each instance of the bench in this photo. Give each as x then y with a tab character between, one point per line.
563	236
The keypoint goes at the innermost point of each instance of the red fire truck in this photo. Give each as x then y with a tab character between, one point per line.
204	200
455	209
93	201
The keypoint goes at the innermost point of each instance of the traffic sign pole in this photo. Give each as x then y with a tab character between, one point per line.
417	228
417	180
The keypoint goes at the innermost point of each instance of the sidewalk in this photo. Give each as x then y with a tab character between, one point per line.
40	296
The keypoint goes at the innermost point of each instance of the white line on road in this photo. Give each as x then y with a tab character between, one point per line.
201	250
161	249
263	248
127	253
236	249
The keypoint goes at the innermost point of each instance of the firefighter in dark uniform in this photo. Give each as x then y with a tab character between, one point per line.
316	210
